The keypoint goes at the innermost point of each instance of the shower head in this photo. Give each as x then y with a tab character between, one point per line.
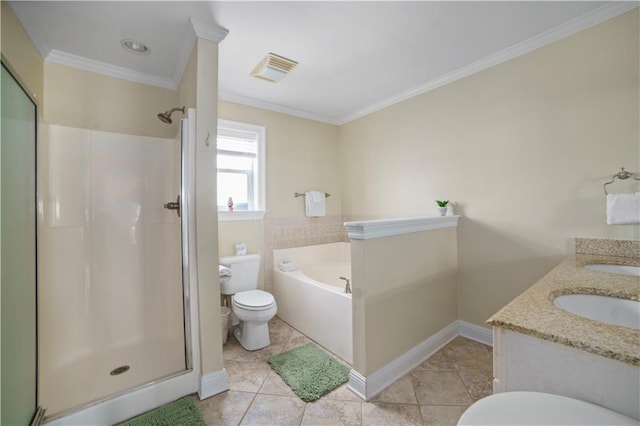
165	117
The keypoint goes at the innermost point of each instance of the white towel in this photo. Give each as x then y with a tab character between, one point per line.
315	203
623	208
224	274
286	266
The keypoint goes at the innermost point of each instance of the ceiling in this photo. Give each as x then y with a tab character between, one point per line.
354	57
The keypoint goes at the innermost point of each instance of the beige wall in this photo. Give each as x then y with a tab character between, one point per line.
206	206
404	291
249	231
522	148
21	54
87	100
301	155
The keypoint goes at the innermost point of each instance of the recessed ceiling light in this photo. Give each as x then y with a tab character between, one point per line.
273	67
134	46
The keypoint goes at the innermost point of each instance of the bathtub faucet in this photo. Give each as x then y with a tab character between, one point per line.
347	288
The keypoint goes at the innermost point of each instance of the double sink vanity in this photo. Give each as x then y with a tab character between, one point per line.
576	332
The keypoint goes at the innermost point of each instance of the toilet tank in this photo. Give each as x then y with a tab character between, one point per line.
244	273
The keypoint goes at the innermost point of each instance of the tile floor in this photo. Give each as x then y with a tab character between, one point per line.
435	393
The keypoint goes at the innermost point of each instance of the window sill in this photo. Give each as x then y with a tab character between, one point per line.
224	216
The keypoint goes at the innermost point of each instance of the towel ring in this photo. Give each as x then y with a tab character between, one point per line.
622	174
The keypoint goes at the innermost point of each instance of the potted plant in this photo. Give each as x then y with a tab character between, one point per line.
442	206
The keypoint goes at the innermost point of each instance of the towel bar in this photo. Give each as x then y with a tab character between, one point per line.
622	174
297	194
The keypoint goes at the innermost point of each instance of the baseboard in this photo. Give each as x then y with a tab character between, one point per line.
366	387
475	332
213	384
357	384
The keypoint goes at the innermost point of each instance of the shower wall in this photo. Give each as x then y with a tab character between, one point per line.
109	264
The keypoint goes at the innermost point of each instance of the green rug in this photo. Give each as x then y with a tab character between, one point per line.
309	371
183	412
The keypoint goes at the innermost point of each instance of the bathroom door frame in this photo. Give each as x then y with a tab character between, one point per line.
152	395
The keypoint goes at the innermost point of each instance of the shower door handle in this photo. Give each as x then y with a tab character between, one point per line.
173	205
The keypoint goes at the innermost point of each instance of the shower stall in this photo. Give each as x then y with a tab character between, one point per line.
117	308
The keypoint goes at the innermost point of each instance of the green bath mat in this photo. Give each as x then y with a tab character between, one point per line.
183	412
309	372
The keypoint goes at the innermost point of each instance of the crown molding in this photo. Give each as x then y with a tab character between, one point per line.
209	32
225	96
98	67
216	34
595	17
195	30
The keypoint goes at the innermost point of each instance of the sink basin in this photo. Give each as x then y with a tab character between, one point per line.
610	310
615	269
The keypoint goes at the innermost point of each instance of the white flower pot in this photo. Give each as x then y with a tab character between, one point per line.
443	211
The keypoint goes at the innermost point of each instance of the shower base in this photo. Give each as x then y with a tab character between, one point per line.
88	379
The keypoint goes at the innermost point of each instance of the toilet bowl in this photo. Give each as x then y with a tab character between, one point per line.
536	408
254	309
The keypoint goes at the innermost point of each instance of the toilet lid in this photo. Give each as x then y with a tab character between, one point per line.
535	408
253	299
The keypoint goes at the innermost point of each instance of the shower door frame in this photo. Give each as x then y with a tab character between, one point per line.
150	395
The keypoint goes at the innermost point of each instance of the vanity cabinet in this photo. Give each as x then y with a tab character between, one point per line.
523	362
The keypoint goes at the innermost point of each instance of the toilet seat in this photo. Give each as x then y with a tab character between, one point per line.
536	408
253	300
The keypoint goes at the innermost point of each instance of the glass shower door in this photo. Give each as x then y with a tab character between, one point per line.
18	253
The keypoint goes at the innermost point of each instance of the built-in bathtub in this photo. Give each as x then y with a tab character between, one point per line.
313	299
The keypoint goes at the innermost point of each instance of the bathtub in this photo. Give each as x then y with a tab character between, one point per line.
312	299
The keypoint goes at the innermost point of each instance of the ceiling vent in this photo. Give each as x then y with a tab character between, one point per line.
273	68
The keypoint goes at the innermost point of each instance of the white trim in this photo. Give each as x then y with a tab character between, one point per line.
63	58
595	17
357	384
499	361
475	332
209	32
368	229
243	100
260	178
241	216
213	384
368	387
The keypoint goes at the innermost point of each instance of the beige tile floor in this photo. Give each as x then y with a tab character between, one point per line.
435	393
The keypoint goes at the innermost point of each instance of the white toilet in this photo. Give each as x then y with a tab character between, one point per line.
254	308
536	408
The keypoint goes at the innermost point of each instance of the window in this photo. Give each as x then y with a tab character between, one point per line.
241	170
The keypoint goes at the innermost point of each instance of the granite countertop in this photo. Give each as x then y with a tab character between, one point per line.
534	313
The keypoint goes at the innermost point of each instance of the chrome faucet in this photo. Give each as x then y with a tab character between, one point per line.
347	288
